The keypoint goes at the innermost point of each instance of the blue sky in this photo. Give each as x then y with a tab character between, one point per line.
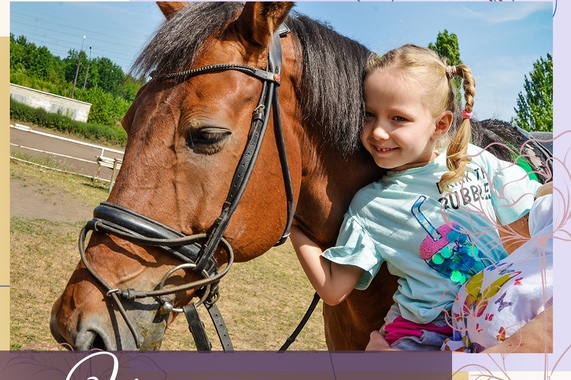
500	41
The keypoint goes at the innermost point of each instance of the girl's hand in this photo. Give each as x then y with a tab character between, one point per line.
378	342
546	188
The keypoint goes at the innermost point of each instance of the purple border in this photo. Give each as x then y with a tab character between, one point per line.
237	365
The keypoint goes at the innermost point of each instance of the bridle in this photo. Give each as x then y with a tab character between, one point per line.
196	252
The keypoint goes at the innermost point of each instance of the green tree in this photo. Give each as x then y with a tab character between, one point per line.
106	86
130	87
446	46
70	67
111	75
106	109
36	62
17	55
534	110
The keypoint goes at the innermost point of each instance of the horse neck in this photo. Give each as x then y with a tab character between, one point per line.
327	189
330	178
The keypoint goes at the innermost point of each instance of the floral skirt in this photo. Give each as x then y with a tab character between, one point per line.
503	297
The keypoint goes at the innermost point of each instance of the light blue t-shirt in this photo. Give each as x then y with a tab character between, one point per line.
433	241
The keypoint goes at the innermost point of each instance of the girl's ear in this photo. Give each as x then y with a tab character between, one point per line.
443	124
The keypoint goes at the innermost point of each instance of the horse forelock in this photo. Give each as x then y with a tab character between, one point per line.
332	66
180	37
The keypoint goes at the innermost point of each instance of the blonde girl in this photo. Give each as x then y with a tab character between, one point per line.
432	218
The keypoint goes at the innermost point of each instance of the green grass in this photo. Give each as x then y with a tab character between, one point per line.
38	160
41	253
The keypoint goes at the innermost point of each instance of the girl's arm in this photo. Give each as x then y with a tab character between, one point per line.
333	282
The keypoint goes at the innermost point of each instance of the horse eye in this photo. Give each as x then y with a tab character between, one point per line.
208	140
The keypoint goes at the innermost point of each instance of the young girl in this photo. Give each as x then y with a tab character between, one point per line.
433	216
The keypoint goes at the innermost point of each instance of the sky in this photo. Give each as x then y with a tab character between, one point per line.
500	41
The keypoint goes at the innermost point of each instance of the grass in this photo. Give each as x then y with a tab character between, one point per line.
56	179
37	273
262	301
46	161
49	164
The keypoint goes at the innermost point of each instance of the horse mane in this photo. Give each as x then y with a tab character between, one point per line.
330	89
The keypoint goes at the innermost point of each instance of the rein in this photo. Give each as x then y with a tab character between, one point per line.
196	252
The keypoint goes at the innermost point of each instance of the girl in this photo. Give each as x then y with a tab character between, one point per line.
432	217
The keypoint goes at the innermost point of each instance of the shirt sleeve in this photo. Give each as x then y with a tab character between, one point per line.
355	247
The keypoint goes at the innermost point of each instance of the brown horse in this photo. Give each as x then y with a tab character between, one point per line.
189	131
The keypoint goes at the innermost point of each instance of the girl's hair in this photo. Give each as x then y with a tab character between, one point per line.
436	77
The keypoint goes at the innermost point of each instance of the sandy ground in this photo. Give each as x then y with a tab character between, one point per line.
32	200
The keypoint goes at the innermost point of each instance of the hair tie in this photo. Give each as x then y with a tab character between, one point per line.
466	114
451	71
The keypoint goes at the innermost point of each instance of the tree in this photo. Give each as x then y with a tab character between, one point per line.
106	86
534	110
70	64
36	62
447	47
110	75
130	87
17	53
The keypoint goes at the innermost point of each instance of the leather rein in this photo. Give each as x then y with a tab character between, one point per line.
196	252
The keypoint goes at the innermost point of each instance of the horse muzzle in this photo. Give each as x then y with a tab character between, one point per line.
107	331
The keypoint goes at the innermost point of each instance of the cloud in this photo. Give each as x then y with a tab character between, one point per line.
499	14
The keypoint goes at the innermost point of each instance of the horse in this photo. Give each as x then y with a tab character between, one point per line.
219	164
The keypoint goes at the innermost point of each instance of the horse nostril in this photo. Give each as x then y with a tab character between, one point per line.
98	342
89	340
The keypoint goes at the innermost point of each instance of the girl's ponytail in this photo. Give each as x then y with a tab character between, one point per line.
456	153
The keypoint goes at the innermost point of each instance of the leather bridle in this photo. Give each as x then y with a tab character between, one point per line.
196	252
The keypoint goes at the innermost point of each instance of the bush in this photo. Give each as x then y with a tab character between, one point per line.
62	123
106	109
23	79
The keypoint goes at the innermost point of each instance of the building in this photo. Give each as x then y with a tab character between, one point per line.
72	108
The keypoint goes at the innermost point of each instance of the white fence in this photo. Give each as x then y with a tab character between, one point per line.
79	157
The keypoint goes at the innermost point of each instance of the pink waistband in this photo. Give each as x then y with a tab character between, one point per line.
401	327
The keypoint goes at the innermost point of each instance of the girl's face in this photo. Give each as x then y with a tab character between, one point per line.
400	131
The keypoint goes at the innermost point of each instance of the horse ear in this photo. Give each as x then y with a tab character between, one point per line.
259	20
169	8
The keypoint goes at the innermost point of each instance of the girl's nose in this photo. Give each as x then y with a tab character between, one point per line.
379	133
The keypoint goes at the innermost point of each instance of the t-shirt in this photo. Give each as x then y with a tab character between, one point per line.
432	240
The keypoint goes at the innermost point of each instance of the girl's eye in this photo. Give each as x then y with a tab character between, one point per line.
369	116
399	118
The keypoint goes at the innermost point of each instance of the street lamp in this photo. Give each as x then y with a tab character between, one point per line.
87	71
77	69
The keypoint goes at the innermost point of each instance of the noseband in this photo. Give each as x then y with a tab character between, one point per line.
196	252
